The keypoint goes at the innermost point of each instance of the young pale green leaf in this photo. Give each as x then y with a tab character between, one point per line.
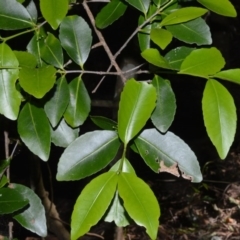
104	123
136	105
37	81
126	166
192	32
81	159
203	62
79	105
153	56
10	98
63	135
13	16
26	59
140	202
222	7
76	38
144	39
11	201
141	5
232	75
183	15
163	115
34	130
110	13
117	213
176	56
51	51
54	11
219	114
92	203
33	218
161	37
32	10
156	148
57	104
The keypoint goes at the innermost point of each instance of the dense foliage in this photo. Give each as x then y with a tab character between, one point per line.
37	91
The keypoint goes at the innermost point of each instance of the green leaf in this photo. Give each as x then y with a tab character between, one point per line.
160	3
140	202
32	10
110	13
76	38
183	15
11	201
81	159
3	181
203	62
104	123
26	59
232	75
92	203
117	212
141	5
176	56
156	149
32	218
57	104
126	166
13	16
54	11
144	34
161	37
51	51
136	105
153	56
222	7
79	105
219	114
10	98
195	31
34	130
63	135
37	81
163	115
3	165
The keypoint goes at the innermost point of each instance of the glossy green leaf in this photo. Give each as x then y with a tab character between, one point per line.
37	81
183	15
21	1
141	5
163	115
33	218
3	181
155	147
116	212
32	10
92	203
232	75
153	56
51	51
3	165
13	15
110	13
140	202
176	56
10	98
161	37
63	135
57	104
222	7
34	130
144	34
104	123
11	201
76	38
79	105
219	114
136	105
160	3
126	167
54	11
81	159
26	59
203	62
195	31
